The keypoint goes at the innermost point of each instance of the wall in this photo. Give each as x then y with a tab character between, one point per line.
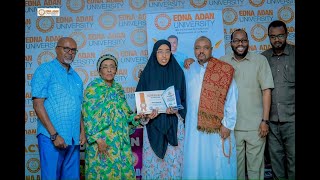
119	27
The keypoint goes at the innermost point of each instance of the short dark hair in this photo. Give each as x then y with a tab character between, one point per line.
278	23
173	36
238	30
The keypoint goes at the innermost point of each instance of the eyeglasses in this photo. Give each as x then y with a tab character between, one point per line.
113	68
205	48
279	36
164	52
237	41
67	49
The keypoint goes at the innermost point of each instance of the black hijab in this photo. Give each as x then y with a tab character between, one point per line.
163	129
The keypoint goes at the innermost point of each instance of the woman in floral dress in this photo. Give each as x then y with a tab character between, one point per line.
106	116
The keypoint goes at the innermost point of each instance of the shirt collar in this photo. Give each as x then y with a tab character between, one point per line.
247	57
61	68
285	51
204	64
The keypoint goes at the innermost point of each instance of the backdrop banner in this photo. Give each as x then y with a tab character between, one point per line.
127	29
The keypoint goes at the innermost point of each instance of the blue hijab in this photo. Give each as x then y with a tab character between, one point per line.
163	129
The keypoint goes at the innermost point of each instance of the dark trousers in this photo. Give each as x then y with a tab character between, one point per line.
281	144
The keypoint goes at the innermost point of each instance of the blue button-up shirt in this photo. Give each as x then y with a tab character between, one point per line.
63	93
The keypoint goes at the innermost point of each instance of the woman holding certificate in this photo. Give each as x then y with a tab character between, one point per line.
164	133
106	117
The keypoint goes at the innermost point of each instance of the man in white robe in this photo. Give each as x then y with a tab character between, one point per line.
208	155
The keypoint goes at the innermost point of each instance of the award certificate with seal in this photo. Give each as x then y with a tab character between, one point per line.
146	101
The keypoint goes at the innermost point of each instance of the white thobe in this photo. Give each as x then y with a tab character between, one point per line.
203	153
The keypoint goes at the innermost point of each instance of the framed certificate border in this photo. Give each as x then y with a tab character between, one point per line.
146	101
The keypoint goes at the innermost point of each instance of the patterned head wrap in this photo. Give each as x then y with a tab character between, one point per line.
106	57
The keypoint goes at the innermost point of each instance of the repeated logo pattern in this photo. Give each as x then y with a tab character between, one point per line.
115	34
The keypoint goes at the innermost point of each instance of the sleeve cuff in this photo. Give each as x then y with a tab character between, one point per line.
92	139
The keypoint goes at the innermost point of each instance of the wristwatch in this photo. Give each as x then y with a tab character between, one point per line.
266	121
54	136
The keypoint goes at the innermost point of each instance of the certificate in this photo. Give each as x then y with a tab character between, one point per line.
172	98
146	101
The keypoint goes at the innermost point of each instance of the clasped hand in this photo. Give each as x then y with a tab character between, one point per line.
224	132
102	148
263	129
152	115
170	110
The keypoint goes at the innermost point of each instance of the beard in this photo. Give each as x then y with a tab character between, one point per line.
279	46
243	54
67	59
203	59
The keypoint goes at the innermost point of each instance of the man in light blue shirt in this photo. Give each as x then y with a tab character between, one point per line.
57	97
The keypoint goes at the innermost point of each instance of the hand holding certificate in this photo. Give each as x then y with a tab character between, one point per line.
146	101
172	98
